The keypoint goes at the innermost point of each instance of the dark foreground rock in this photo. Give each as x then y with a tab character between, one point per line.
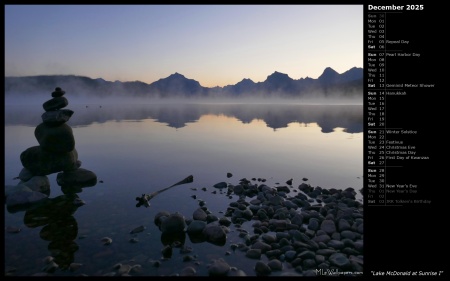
310	229
267	231
55	153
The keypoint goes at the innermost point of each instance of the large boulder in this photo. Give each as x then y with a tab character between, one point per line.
200	215
196	227
77	178
174	223
21	197
55	138
41	163
38	183
215	234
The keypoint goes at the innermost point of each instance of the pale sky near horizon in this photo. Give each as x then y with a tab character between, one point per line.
216	45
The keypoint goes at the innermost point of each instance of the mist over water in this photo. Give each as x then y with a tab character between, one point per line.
80	98
278	88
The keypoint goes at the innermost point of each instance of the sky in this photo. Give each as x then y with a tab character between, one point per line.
216	45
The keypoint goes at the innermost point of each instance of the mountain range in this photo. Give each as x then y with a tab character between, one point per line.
328	85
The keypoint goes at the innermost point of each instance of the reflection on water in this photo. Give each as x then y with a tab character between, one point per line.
275	116
139	149
59	228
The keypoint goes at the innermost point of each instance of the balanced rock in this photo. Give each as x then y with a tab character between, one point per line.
55	103
56	117
56	153
55	138
79	177
58	92
41	162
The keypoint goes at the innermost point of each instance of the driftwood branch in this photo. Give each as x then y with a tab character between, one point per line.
145	198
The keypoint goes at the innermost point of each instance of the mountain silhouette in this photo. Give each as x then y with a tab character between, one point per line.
329	77
329	84
176	84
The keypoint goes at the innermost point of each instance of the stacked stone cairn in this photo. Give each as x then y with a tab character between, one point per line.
55	153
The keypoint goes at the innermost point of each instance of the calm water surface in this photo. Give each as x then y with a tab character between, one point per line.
141	148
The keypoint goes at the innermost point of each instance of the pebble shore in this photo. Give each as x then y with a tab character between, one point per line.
310	230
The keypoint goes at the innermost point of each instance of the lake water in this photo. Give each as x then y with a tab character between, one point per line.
137	148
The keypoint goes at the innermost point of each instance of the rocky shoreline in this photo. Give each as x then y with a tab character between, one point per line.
317	231
309	230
